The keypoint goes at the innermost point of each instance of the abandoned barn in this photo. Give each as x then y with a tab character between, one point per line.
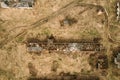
17	3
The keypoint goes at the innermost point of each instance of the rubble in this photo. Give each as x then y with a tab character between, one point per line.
102	62
66	47
17	3
34	47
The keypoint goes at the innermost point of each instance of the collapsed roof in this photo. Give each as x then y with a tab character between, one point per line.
17	3
34	45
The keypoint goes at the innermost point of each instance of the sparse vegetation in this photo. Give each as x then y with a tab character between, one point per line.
6	75
46	32
49	17
20	39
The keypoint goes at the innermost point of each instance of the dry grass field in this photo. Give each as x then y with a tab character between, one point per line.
92	18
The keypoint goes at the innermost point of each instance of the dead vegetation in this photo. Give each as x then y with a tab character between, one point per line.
78	19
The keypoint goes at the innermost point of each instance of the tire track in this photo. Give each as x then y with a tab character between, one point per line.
48	18
37	23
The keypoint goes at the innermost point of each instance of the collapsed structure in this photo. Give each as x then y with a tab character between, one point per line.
67	76
17	3
34	45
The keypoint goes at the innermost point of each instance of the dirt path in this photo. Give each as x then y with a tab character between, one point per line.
24	29
35	24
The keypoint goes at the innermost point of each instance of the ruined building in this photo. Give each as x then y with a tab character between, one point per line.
34	45
17	3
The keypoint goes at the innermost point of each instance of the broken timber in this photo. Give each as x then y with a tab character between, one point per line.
34	45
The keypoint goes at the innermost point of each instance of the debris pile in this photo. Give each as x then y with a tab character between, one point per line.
34	47
17	3
102	62
53	45
68	21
